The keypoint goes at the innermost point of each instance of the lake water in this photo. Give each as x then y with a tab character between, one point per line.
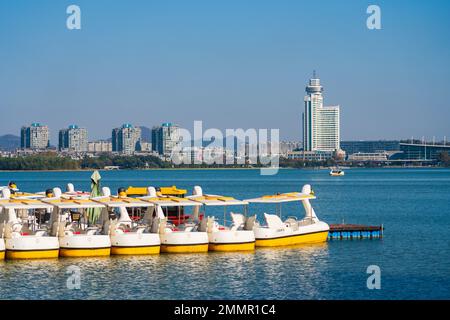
413	256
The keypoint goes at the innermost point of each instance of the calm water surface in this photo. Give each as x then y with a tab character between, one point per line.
414	256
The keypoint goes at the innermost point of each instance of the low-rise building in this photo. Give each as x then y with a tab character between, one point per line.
100	146
423	151
310	155
370	146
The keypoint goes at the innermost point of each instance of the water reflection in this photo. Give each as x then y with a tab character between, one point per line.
268	273
414	266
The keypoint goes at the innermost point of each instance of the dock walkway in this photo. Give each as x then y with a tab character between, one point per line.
354	231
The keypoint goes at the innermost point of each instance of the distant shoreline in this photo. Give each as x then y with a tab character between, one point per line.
198	169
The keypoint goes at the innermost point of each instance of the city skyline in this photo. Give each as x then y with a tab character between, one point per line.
184	62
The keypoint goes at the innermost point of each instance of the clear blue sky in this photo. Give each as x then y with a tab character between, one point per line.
238	63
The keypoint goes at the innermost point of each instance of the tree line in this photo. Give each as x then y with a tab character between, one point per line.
51	161
55	162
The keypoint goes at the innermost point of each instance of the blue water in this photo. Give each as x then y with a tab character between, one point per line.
413	256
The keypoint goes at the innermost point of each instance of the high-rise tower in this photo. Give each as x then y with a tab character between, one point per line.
126	139
320	123
34	137
73	139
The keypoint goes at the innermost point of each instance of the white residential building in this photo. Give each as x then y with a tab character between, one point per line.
73	139
126	139
34	137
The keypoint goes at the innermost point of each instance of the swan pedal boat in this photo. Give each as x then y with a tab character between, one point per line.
25	228
238	236
183	238
129	237
78	237
291	231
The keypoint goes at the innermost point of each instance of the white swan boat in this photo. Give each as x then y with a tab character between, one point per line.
239	236
79	237
183	238
292	231
131	237
25	226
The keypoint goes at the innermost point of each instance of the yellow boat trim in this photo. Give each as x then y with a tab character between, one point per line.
32	254
2	255
315	237
90	252
136	250
249	246
184	248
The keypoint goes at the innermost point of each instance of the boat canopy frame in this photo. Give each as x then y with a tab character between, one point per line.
211	200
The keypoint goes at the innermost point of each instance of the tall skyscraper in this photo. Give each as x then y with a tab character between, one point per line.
320	123
34	137
126	139
165	138
73	139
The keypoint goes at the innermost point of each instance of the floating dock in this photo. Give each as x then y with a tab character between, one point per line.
354	231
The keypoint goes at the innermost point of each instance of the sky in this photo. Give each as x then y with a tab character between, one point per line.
231	64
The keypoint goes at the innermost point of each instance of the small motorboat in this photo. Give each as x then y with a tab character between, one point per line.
336	172
291	231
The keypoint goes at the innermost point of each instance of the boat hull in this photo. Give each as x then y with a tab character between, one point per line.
135	244
85	246
32	247
229	240
184	242
315	233
316	237
2	249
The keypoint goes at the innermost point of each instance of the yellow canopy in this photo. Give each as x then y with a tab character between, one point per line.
24	204
73	203
283	197
127	202
216	200
171	201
